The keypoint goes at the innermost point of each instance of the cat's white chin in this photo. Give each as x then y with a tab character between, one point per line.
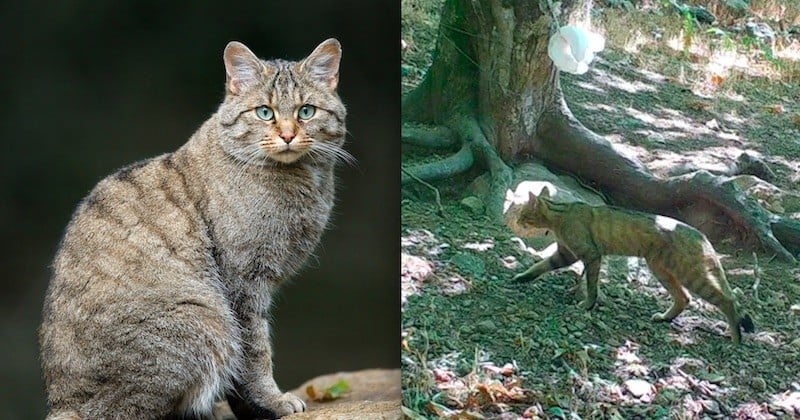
286	156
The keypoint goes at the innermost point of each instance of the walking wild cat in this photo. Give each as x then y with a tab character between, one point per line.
679	255
161	287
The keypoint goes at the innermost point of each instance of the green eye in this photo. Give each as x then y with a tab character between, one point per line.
265	113
306	111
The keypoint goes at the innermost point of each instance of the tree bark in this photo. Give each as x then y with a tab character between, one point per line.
493	87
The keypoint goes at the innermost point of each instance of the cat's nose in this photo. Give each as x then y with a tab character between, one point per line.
288	136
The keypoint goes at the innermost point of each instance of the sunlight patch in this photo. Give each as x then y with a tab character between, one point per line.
600	107
789	400
666	223
590	86
618	82
486	245
413	272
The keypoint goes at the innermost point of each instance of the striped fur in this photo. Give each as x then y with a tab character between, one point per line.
158	304
679	256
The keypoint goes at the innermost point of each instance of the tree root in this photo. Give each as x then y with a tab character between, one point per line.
434	137
474	145
743	210
470	131
442	169
696	198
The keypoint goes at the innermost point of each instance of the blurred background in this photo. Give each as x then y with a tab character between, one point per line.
87	87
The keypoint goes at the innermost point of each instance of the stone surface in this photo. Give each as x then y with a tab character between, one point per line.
638	388
474	204
374	395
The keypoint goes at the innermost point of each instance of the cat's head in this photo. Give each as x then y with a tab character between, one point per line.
525	211
282	111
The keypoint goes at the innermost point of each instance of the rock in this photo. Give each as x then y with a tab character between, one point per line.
760	30
758	384
750	164
638	388
795	344
486	327
374	395
469	264
702	14
710	406
474	204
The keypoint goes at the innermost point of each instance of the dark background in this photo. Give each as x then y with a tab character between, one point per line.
87	87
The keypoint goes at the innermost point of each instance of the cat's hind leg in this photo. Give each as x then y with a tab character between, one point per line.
680	299
155	364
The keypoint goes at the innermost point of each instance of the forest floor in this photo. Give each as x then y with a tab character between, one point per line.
476	346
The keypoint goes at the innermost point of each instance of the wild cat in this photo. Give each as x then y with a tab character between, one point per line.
161	288
679	255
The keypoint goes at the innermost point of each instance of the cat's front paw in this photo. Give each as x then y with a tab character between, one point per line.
522	278
285	404
657	317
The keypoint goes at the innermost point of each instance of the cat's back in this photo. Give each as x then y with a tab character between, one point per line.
632	233
134	231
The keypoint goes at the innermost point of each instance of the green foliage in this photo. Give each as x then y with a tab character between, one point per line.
740	5
688	30
623	4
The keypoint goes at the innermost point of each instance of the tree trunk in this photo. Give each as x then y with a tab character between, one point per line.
493	87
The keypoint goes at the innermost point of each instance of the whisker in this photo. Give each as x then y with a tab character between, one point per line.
333	151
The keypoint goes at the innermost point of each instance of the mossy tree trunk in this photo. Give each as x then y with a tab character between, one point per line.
493	88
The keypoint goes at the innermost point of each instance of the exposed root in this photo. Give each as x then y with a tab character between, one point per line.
787	231
742	209
435	137
442	169
502	175
628	183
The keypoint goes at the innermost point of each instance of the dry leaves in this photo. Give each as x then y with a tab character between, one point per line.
330	393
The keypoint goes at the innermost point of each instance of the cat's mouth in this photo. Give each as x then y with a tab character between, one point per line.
286	154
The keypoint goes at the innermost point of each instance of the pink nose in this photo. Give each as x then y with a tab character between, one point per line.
288	136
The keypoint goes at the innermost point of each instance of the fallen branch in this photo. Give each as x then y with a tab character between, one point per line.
440	210
756	276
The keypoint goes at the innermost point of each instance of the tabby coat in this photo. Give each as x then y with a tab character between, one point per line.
679	255
161	288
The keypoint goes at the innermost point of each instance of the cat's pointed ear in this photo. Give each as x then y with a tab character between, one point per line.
545	193
242	67
323	64
532	198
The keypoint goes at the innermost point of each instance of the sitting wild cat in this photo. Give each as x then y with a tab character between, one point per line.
678	255
160	295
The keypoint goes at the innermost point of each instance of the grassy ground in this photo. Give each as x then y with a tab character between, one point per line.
476	346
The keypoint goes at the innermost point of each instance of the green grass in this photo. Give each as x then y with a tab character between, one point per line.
655	102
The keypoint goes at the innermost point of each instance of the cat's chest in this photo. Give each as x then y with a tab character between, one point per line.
270	228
